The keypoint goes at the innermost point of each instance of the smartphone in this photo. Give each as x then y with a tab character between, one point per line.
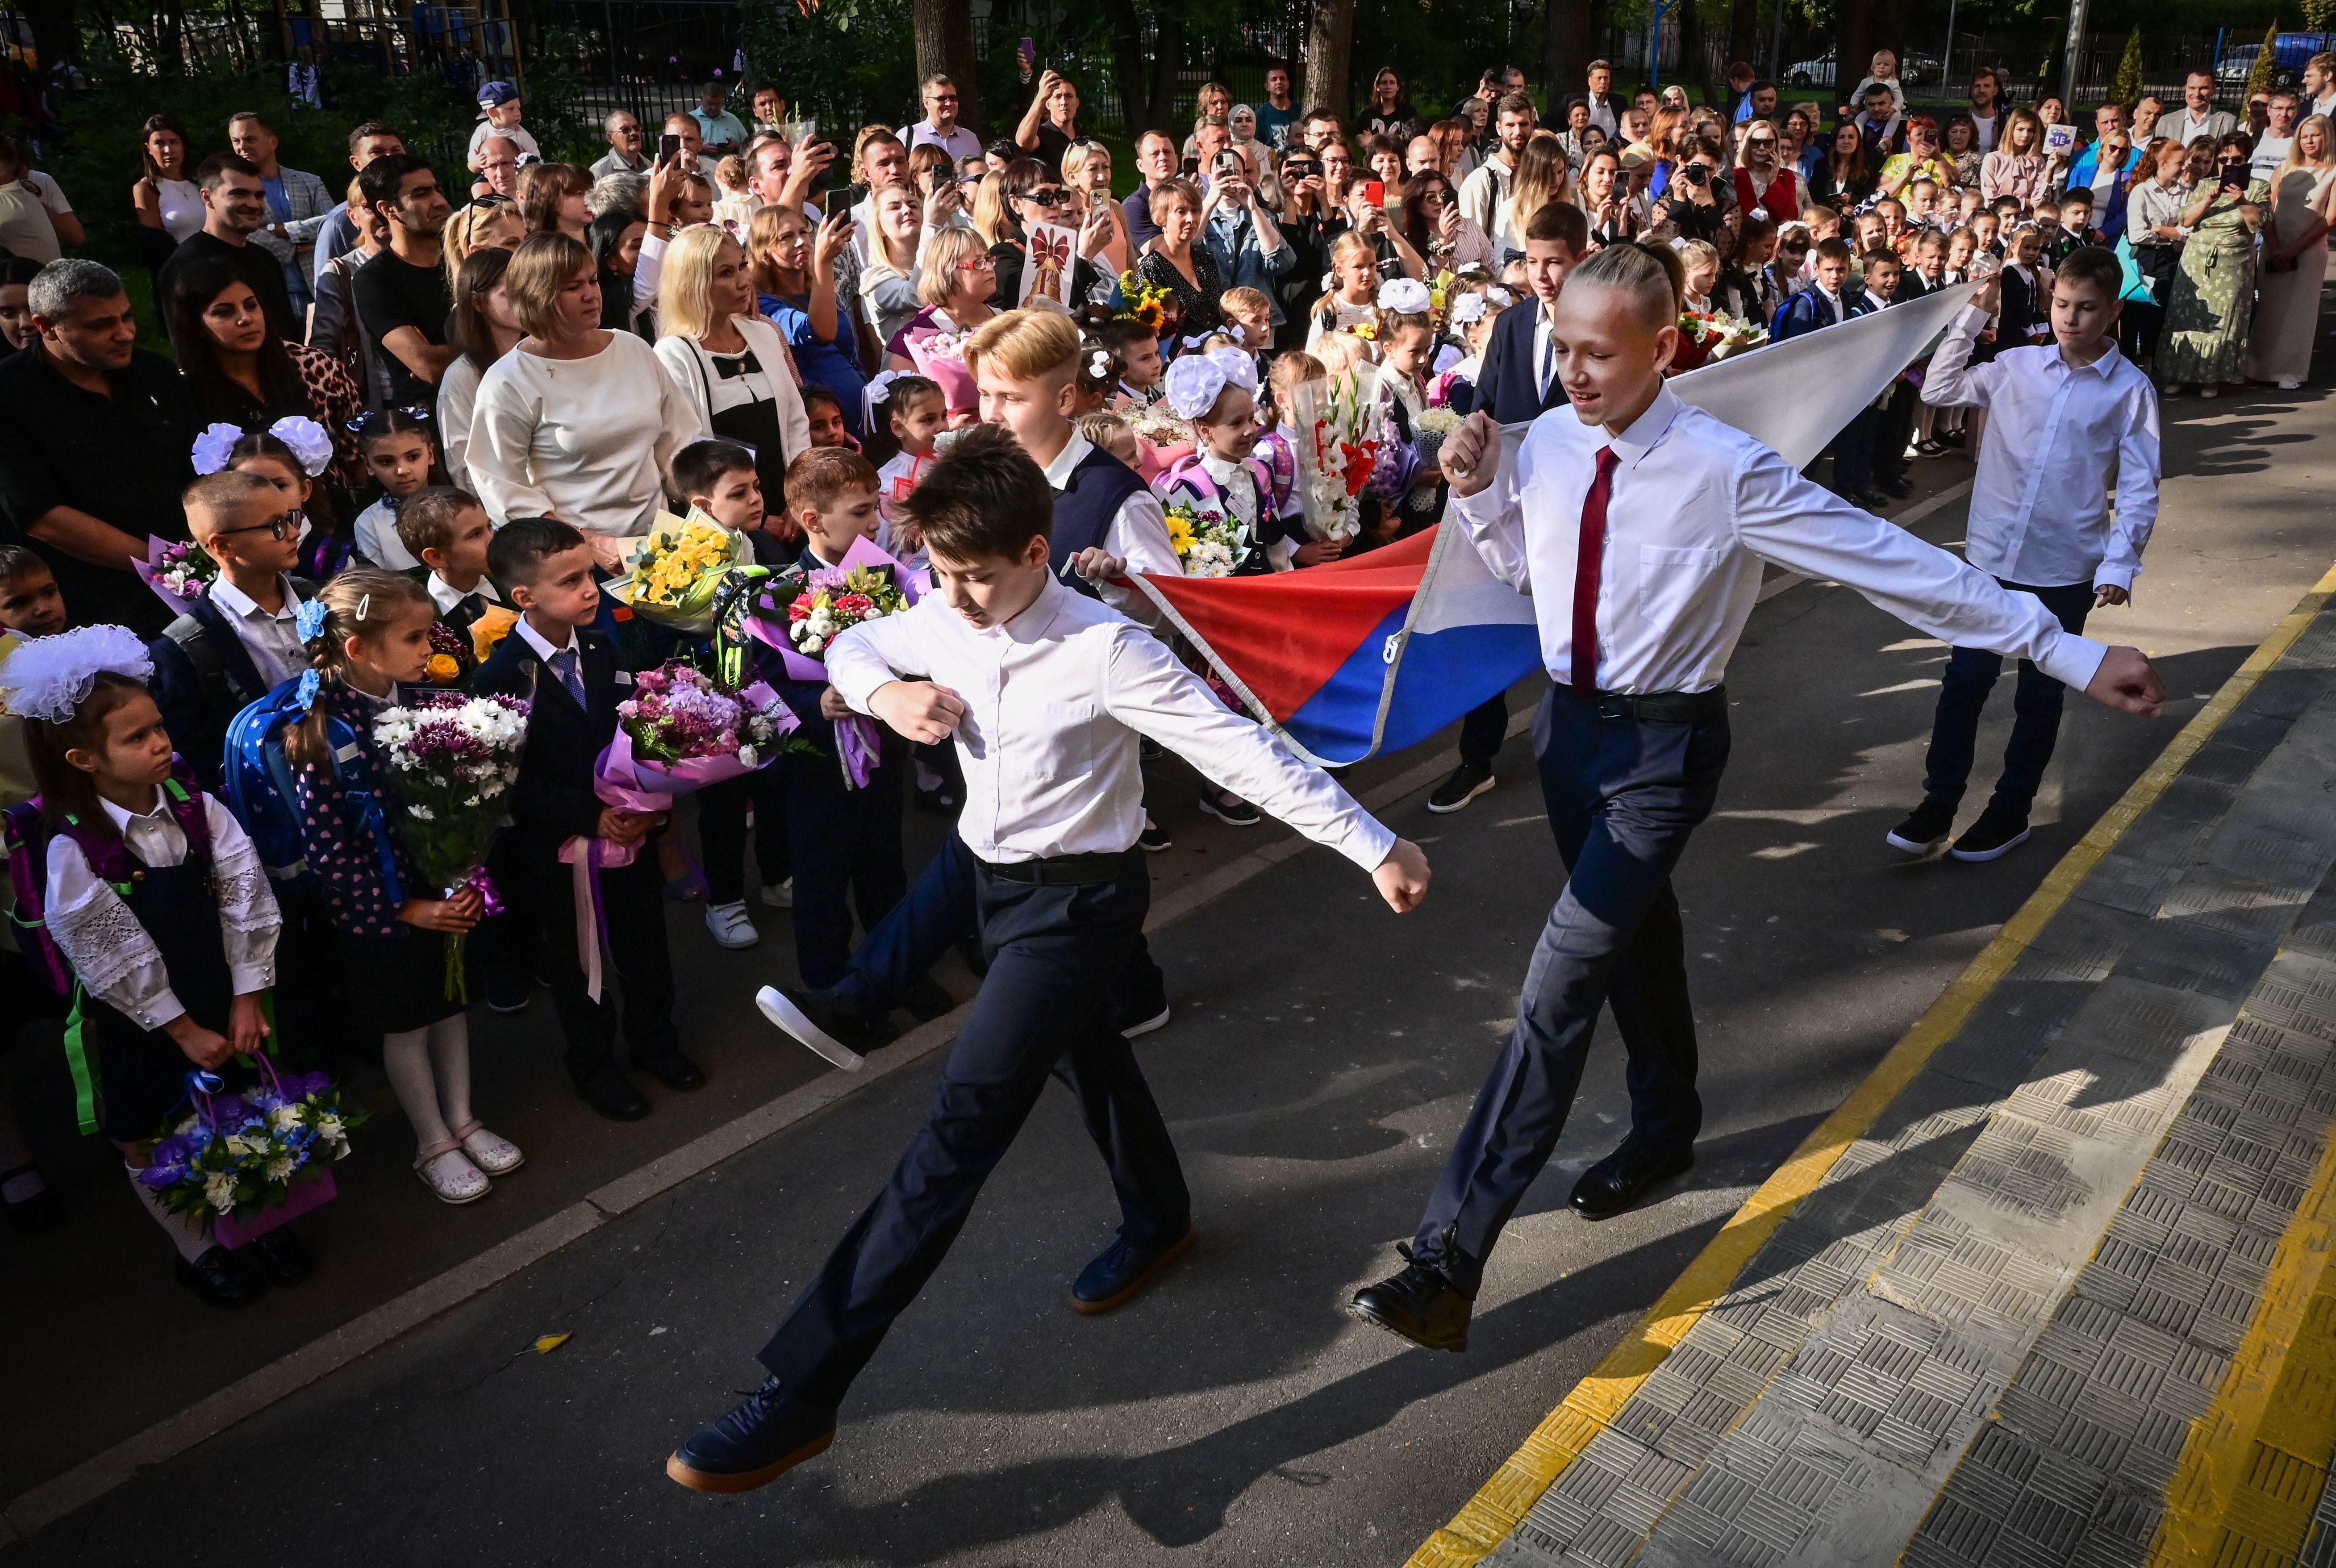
668	149
2235	177
1375	193
1026	52
849	196
1227	162
1192	166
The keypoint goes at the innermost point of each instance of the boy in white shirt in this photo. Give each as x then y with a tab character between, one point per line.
1046	691
2064	418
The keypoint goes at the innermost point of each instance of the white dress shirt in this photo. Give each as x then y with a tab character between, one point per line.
1605	114
1054	700
2057	439
1697	506
544	649
2185	126
1138	533
446	596
115	956
377	539
272	640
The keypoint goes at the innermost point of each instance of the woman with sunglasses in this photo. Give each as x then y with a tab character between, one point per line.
1763	188
1033	195
1434	226
243	374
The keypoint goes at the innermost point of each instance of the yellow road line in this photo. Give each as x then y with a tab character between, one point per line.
2255	1462
1487	1518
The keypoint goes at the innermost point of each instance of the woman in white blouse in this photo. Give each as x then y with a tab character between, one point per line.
485	331
575	422
728	364
165	199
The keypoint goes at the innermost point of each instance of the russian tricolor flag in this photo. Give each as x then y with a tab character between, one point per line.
1379	651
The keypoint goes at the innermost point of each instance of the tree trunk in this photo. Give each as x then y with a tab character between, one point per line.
1167	59
1127	63
1694	62
945	47
1329	42
56	32
1568	45
1852	45
1744	34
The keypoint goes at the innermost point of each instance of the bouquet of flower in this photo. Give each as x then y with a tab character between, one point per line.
1209	541
237	1157
1133	299
801	615
1708	334
178	573
679	731
449	649
1429	430
675	572
1338	453
450	759
939	358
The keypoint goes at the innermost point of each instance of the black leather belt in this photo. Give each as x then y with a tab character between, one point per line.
1062	870
1656	707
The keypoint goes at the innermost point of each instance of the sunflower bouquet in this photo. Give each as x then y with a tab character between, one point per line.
1209	540
676	572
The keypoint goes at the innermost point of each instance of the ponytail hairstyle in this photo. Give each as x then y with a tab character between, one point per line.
1349	243
362	602
1653	273
67	790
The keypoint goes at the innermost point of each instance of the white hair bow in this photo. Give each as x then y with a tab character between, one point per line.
1404	296
1239	368
1193	384
47	676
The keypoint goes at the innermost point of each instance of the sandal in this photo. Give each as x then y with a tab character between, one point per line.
495	1156
447	1171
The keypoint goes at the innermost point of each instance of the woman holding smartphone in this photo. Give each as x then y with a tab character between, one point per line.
1086	175
2213	304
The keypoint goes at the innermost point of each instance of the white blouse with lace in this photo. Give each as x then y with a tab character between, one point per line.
113	955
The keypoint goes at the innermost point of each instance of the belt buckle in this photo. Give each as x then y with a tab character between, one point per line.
1615	707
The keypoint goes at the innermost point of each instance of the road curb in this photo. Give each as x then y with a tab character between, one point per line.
1485	1520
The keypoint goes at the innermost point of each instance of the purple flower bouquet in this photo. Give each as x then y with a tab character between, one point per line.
179	573
242	1165
450	760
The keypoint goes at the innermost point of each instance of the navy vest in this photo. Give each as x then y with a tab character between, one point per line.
1084	509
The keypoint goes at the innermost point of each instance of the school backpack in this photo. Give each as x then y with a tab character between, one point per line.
258	781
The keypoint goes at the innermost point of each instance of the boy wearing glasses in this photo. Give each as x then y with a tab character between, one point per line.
237	641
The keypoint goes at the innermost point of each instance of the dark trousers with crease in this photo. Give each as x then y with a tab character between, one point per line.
635	962
1484	730
1623	795
2036	703
1043	1010
937	912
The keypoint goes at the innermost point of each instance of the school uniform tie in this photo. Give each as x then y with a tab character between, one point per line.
1585	574
564	665
1548	365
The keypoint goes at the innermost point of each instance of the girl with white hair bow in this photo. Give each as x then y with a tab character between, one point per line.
1216	393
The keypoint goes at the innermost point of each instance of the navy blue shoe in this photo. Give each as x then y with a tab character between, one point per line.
767	1436
1120	1274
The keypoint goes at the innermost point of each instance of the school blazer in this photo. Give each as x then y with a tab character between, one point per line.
553	800
1507	389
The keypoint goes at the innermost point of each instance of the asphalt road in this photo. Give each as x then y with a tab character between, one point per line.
1322	1055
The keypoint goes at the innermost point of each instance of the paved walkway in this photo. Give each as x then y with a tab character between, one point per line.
2054	1286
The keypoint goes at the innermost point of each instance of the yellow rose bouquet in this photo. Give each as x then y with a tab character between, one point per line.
677	573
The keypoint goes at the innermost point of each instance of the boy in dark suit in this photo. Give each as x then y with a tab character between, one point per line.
574	678
447	530
841	839
1519	382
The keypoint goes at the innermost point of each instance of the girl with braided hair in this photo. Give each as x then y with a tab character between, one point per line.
367	632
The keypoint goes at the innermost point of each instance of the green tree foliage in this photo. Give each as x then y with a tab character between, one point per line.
2128	88
2262	78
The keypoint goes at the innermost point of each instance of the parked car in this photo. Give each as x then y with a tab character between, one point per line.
2290	51
1914	69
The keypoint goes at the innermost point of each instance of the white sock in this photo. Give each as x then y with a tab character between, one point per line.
450	1055
407	1058
186	1231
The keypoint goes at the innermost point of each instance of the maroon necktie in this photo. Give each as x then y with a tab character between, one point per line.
1585	574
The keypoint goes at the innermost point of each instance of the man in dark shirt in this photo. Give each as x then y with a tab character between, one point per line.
234	208
1156	155
94	441
401	293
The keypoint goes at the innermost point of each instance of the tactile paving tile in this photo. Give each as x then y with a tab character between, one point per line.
1898	1348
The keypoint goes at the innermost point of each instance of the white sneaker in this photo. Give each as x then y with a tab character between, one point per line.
2289	384
730	926
450	1173
779	895
497	1156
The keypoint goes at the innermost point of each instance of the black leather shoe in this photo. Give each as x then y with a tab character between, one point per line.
612	1093
1419	1304
1120	1273
1871	499
763	1438
281	1257
1615	1183
221	1279
675	1071
925	999
1891	485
